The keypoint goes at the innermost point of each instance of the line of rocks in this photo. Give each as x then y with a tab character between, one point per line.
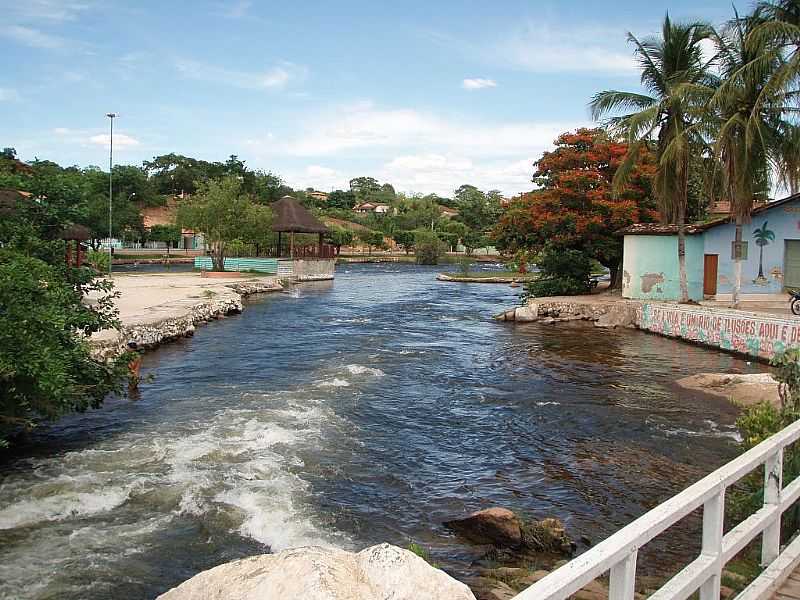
152	334
603	313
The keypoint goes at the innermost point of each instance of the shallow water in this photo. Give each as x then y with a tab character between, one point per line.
349	413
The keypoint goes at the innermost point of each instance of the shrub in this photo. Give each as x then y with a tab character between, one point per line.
98	259
427	247
562	273
761	421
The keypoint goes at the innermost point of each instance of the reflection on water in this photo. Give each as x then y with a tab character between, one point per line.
370	409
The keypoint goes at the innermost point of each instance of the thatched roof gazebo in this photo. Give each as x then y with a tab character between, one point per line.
292	217
78	234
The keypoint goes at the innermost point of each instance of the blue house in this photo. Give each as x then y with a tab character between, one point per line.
650	260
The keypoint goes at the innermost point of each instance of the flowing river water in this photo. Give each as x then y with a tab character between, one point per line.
353	412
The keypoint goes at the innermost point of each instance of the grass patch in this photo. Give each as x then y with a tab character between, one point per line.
423	553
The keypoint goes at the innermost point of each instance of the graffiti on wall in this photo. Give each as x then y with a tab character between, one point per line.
756	335
763	237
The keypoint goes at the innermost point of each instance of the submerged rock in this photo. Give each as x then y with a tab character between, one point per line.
497	526
547	535
315	573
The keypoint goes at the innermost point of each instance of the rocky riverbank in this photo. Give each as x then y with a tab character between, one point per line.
156	309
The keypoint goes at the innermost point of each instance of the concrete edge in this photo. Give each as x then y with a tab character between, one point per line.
775	575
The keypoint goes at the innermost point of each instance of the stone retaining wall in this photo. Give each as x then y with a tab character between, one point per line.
151	334
758	335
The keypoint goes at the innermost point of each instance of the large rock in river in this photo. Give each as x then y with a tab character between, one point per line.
381	572
497	526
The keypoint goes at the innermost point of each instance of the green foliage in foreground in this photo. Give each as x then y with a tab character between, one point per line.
561	273
423	553
46	370
761	421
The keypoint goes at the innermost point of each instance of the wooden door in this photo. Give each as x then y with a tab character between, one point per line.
791	271
710	264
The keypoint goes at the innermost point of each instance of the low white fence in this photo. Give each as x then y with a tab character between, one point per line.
618	553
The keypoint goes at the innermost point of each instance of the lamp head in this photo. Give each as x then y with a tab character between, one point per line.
111	115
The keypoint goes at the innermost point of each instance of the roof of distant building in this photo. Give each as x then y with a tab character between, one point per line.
292	216
695	228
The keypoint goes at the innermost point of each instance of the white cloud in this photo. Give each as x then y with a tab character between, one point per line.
318	177
363	126
62	131
544	47
276	77
237	10
414	150
9	95
478	84
426	173
33	38
121	140
47	10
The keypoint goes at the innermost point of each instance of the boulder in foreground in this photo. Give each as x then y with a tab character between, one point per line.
382	572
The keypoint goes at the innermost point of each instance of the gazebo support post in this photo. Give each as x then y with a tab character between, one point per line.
280	250
291	245
319	252
68	253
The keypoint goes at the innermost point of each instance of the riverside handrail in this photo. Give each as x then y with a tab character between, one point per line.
618	553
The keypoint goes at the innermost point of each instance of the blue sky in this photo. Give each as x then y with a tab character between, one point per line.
425	95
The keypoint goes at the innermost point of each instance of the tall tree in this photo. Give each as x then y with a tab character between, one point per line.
222	212
671	66
575	207
754	138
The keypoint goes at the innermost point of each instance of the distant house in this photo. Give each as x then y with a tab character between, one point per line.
366	207
771	261
319	196
382	209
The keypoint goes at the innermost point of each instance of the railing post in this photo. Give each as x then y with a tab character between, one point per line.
773	485
713	520
623	578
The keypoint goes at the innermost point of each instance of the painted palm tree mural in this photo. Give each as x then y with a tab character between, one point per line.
763	237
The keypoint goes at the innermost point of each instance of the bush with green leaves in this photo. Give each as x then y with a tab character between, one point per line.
561	273
98	259
428	248
46	368
761	421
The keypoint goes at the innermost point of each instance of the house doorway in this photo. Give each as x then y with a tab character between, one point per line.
791	266
710	268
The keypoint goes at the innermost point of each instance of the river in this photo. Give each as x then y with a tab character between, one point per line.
353	412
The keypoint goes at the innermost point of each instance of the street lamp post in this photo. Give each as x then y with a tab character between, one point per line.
111	117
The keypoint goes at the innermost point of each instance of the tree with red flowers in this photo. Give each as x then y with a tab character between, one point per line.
575	206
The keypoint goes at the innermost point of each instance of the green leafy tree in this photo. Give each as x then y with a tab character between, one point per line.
46	369
338	237
752	124
404	239
428	248
671	68
371	239
221	211
340	199
561	273
169	234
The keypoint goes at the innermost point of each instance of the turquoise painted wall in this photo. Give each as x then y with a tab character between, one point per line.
650	267
784	222
261	265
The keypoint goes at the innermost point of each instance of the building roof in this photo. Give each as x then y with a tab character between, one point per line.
75	232
695	228
365	206
292	216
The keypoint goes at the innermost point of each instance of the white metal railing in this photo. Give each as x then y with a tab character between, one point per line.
617	554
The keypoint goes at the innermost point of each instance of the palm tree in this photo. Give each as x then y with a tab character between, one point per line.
755	143
671	66
763	237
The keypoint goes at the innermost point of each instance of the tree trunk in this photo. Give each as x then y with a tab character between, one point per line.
218	257
615	273
737	264
682	253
